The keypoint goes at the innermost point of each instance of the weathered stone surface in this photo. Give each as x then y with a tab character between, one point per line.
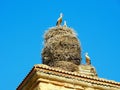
87	70
43	77
49	86
89	88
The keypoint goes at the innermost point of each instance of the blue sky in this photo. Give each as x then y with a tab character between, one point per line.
22	27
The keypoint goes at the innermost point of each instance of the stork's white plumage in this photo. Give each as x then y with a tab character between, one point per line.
87	59
59	21
65	25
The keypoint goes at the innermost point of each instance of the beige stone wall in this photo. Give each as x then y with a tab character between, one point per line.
49	86
45	78
89	89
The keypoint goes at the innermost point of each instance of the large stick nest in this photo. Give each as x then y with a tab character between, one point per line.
52	32
61	44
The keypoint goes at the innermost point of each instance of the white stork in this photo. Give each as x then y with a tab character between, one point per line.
88	62
65	25
59	21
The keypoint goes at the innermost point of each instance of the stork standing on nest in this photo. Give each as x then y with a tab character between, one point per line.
88	62
59	21
65	25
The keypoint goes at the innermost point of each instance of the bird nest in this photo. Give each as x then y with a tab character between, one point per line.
68	66
61	44
61	31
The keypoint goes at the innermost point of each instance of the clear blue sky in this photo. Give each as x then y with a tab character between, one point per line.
23	23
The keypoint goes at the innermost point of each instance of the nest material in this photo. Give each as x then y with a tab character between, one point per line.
68	66
61	46
60	31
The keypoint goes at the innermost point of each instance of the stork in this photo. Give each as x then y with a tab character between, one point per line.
59	21
88	62
65	25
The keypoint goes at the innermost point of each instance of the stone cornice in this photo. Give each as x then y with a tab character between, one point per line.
45	73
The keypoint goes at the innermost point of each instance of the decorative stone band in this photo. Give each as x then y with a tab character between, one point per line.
44	73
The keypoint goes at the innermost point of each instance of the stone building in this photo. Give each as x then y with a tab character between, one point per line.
43	77
62	68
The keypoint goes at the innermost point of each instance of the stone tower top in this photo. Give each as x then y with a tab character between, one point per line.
62	50
62	68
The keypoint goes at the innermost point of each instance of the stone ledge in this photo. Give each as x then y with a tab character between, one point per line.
63	78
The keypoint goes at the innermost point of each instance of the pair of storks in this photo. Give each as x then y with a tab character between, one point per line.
59	21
